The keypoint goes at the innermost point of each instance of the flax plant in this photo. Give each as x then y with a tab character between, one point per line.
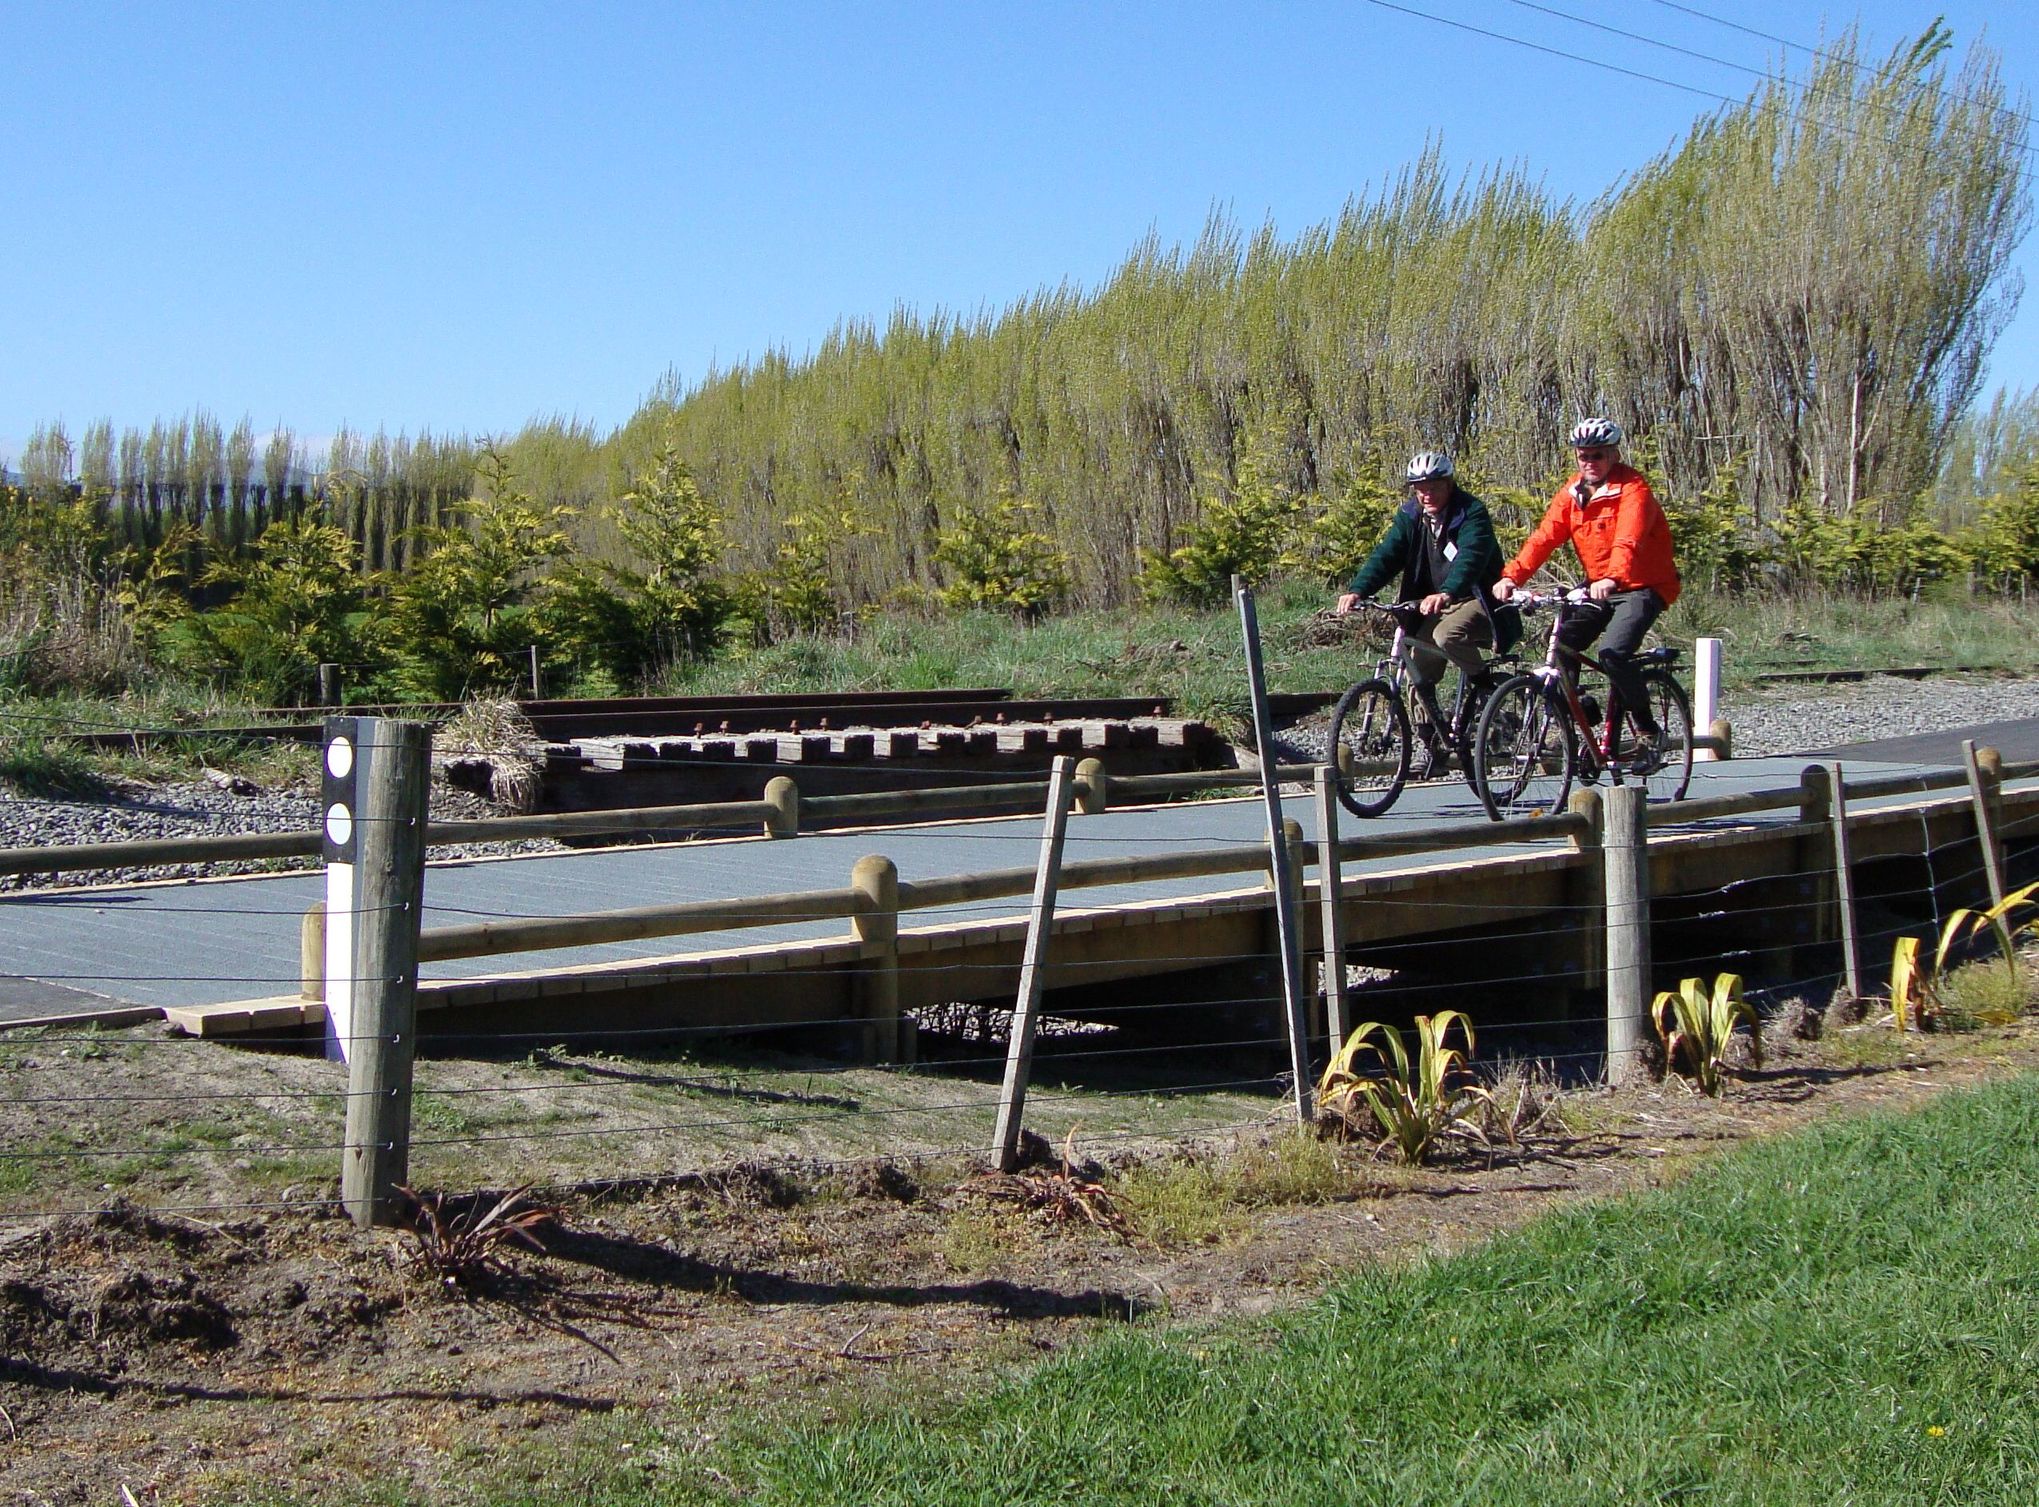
1696	1024
1413	1105
1918	989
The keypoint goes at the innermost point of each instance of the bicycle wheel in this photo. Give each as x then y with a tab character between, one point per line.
1478	691
1665	772
1368	743
1526	751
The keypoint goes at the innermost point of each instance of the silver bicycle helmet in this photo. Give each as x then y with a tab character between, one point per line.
1596	432
1428	465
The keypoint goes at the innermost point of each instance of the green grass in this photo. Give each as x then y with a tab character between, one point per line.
1843	1316
1818	630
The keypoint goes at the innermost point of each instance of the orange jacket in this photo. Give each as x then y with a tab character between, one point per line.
1620	534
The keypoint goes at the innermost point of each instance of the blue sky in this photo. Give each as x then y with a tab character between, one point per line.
458	217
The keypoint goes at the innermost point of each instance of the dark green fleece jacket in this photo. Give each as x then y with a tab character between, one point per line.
1471	567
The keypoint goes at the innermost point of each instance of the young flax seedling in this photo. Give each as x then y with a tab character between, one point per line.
1699	1025
1414	1105
1917	988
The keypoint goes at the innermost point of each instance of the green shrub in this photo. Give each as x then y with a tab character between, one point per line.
296	604
997	559
461	620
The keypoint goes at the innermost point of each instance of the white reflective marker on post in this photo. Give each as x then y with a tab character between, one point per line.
1705	691
340	899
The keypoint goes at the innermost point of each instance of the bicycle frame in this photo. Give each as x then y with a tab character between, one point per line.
1398	669
1561	666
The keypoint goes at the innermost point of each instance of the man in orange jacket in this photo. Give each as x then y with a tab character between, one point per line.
1611	517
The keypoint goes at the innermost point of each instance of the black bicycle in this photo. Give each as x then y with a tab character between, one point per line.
1370	740
1539	732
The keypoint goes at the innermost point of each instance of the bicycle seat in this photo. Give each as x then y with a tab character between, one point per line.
1663	654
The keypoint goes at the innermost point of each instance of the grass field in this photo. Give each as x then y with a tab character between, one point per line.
1846	1315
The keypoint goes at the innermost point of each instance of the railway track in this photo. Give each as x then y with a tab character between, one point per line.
567	720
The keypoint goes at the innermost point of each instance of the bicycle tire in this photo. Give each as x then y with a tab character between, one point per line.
1367	743
1478	692
1527	751
1667	773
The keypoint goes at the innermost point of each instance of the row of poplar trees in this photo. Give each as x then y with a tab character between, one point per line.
1791	309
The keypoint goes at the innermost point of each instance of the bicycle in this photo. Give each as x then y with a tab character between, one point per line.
1369	737
1537	730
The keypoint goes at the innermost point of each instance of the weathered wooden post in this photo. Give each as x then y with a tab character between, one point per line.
329	684
1288	942
1626	850
378	773
783	796
1093	787
875	878
1588	896
1019	1053
1985	768
1723	734
1810	920
537	684
1331	905
311	952
1844	885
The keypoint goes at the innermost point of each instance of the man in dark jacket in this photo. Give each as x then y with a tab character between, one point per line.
1442	542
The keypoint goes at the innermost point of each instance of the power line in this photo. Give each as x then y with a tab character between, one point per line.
1616	68
1555	52
1820	54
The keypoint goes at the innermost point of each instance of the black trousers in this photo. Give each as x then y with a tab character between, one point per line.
1619	623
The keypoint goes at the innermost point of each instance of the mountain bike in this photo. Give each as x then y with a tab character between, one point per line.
1539	731
1369	740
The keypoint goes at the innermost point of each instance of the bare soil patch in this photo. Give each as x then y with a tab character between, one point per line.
204	1359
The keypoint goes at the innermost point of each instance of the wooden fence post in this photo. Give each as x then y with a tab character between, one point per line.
537	684
1019	1054
1722	732
1844	885
1627	866
1331	904
329	685
875	878
1093	788
1985	788
1285	908
783	796
311	952
1589	896
395	775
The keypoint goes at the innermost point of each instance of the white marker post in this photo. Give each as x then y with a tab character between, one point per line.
1705	692
338	799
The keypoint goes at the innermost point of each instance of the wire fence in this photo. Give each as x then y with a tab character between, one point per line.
1200	1051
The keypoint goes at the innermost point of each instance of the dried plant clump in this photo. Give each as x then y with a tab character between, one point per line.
1060	1196
465	1248
498	733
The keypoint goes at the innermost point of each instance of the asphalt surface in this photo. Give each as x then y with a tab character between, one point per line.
2017	741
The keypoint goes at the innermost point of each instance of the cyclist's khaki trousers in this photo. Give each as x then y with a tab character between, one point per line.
1457	634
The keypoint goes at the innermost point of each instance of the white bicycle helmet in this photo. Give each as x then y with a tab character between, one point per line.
1591	432
1428	465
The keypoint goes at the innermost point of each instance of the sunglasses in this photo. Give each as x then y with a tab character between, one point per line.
1594	452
